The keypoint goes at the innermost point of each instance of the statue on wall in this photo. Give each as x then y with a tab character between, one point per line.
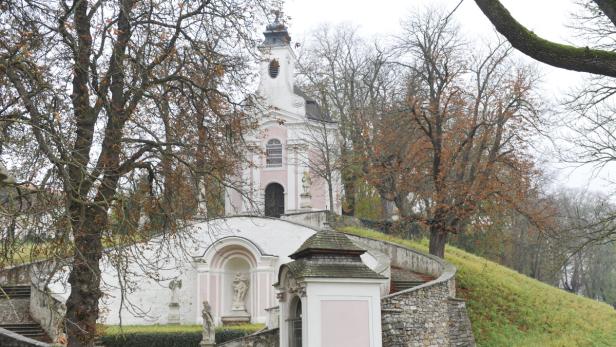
240	288
209	332
306	183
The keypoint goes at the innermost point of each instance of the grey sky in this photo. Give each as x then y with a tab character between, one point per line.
548	18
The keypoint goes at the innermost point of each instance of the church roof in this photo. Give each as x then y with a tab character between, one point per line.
313	110
327	242
276	33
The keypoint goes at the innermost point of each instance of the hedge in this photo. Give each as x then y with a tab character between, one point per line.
168	339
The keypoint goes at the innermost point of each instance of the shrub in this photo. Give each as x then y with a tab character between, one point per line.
169	335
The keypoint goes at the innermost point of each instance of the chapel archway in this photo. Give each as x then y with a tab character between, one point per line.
274	200
295	323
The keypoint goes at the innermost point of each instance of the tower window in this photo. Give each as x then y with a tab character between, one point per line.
273	152
274	68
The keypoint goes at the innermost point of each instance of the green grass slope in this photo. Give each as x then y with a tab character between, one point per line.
507	308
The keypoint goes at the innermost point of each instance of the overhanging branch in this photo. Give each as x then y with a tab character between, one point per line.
559	55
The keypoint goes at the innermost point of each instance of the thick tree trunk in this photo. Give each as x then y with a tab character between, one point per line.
387	209
82	303
349	193
438	239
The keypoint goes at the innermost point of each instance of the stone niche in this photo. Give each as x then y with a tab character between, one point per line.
234	276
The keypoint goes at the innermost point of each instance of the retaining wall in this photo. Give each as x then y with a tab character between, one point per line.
48	311
427	315
265	338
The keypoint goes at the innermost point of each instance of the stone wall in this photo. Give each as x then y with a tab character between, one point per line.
416	318
48	311
266	338
16	275
13	311
460	330
10	339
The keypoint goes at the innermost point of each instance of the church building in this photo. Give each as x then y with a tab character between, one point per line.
279	176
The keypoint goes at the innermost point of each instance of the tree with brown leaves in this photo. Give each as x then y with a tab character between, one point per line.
113	96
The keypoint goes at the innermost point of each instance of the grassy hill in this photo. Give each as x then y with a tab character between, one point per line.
507	308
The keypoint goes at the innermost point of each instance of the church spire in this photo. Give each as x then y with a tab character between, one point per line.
276	33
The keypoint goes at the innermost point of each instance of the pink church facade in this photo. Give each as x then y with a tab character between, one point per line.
281	173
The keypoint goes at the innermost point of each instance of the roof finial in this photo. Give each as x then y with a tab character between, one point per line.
276	33
278	14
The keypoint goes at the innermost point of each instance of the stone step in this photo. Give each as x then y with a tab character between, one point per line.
398	286
98	342
15	292
31	330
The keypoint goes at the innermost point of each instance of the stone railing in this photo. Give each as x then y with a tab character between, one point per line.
269	338
17	275
425	315
409	259
10	339
47	310
313	219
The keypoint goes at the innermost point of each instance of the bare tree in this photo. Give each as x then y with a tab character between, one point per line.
474	116
323	157
353	82
109	92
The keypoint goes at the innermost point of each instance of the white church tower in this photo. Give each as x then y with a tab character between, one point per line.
281	173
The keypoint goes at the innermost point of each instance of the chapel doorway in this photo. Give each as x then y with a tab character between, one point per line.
295	323
274	200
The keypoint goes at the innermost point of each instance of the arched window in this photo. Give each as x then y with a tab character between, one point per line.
273	151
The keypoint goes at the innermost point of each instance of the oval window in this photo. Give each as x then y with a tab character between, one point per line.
274	68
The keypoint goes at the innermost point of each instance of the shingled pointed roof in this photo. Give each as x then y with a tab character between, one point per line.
303	268
327	242
329	254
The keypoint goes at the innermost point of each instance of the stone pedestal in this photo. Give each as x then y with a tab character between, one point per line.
174	313
236	317
304	201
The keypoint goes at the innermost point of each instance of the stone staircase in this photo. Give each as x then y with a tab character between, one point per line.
31	330
402	279
400	285
15	313
15	292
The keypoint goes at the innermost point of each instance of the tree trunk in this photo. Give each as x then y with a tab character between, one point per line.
387	209
330	191
349	193
82	304
438	239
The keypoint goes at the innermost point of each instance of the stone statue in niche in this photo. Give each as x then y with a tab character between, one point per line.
306	182
209	333
305	197
240	288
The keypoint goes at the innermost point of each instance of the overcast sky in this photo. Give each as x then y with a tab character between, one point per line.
548	18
